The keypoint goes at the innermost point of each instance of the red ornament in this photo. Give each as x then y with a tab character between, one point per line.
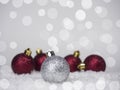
73	61
23	63
39	59
95	63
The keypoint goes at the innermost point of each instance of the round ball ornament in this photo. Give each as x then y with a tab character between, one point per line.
95	63
73	61
55	69
39	59
23	63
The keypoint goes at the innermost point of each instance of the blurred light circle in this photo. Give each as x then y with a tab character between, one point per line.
68	23
28	1
100	84
42	2
84	41
90	86
78	85
4	1
106	38
41	12
64	35
49	27
17	3
88	24
53	87
107	1
27	20
13	45
67	86
4	84
86	4
80	15
52	13
70	4
114	85
52	41
13	14
110	61
70	47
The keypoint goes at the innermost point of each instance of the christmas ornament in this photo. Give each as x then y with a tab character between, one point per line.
95	63
23	62
55	68
38	60
73	61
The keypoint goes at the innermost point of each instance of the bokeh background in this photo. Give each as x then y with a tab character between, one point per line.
91	26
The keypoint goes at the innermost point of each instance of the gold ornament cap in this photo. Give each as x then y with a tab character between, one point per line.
50	53
76	54
28	52
81	66
38	51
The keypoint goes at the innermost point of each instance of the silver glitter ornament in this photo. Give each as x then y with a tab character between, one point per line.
55	69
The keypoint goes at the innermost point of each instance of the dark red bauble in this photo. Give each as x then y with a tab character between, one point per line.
23	63
73	61
39	59
95	63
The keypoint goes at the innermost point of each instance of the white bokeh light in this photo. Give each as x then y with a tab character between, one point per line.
98	9
67	86
52	13
28	1
90	86
80	15
3	46
86	4
101	11
106	38
13	14
100	84
70	47
84	41
107	24
53	87
64	35
118	23
68	23
52	41
78	85
110	61
88	24
63	3
17	3
40	84
49	27
42	2
41	12
2	60
4	84
114	85
112	49
107	1
70	4
55	1
27	20
4	1
13	45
